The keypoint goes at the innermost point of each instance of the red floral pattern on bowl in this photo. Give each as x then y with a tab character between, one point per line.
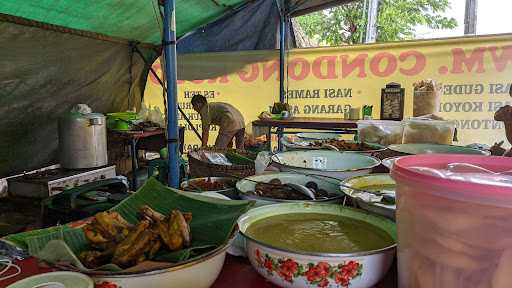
106	284
321	274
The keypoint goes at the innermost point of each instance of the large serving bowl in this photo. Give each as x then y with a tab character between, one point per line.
299	270
364	183
305	145
327	163
415	149
184	275
193	186
248	184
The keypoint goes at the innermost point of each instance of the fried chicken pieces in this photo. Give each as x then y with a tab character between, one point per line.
116	241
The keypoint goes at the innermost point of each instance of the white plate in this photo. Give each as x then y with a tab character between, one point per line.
54	280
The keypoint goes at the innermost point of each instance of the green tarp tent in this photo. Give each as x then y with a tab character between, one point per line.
58	53
133	20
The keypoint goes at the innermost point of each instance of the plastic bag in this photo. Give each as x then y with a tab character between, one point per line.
262	161
82	109
427	97
383	132
217	158
428	131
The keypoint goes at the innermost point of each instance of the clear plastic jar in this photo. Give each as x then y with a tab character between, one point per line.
453	232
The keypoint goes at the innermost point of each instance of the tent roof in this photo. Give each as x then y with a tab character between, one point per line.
133	20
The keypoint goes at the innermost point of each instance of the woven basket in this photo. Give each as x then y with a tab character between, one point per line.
200	168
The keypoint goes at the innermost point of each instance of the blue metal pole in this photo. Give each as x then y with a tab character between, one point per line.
282	60
172	100
282	52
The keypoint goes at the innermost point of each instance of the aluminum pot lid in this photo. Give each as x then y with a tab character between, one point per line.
76	115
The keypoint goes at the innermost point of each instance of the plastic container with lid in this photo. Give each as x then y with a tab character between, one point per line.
383	132
454	228
428	131
426	102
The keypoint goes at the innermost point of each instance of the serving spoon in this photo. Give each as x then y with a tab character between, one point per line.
301	189
388	197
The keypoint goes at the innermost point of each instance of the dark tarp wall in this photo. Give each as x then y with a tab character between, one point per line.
254	27
43	74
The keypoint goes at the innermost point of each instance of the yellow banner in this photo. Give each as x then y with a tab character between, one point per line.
475	74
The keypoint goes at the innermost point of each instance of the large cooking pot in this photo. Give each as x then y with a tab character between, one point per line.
82	140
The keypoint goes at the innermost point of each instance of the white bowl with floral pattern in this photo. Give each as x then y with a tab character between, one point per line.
301	269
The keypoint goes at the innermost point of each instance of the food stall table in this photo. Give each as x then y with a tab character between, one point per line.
311	123
237	272
133	137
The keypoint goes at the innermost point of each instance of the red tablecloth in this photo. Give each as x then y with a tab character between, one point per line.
237	273
29	267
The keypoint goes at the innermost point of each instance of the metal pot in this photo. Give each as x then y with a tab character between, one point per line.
82	141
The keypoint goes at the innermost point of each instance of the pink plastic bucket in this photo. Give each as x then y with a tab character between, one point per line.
452	233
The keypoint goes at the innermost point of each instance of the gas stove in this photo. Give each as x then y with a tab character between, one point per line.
43	184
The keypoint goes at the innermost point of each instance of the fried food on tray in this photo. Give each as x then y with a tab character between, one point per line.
114	240
107	226
179	230
95	258
134	245
173	230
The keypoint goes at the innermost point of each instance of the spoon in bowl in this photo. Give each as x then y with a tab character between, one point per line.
301	189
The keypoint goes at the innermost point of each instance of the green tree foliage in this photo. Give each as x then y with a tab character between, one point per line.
397	20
